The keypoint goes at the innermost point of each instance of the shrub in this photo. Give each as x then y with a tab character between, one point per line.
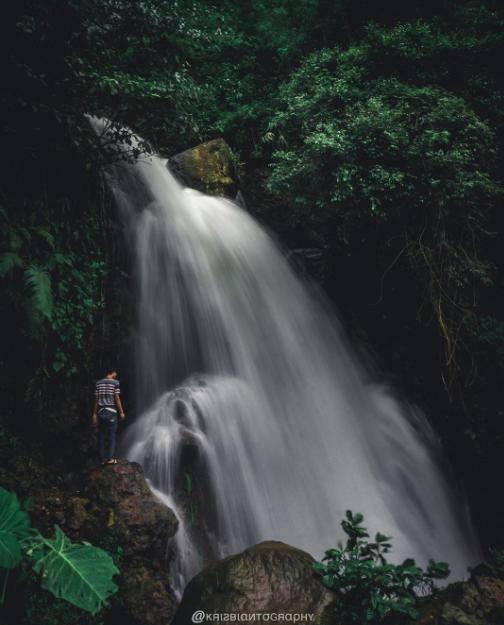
367	587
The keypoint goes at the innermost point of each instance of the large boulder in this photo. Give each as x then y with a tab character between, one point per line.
113	508
270	577
123	501
208	167
119	512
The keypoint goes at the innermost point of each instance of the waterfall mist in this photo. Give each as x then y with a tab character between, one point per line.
257	422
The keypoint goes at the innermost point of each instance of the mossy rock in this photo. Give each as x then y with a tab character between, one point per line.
208	168
270	577
124	504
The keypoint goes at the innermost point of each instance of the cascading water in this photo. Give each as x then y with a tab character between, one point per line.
253	405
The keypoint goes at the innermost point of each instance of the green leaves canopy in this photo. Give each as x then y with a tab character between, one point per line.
378	149
366	154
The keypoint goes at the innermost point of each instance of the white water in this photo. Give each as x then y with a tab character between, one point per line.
241	363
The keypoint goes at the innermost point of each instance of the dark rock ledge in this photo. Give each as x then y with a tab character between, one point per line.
117	501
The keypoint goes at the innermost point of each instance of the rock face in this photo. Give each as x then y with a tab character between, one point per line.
118	510
207	167
479	601
270	577
113	508
126	503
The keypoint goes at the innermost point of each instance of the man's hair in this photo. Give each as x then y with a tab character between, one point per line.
107	368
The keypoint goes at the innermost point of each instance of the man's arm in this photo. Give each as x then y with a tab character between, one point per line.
117	398
94	418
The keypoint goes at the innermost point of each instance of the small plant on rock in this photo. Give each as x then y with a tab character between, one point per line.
367	587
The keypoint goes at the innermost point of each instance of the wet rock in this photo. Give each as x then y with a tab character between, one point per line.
270	577
119	513
146	596
113	508
123	501
42	491
478	601
77	513
207	167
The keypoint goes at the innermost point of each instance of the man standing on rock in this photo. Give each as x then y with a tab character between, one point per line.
106	407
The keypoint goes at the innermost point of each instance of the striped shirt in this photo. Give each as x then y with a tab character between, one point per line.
105	392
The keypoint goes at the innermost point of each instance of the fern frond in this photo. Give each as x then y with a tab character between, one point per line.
8	262
38	281
46	235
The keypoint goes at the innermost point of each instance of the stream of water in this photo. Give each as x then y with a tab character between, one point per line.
257	420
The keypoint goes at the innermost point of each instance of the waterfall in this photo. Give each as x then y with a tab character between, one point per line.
256	419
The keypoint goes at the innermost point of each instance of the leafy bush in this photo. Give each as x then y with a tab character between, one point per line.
497	558
78	573
367	155
55	290
367	587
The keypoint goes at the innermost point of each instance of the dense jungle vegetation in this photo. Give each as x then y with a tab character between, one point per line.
366	134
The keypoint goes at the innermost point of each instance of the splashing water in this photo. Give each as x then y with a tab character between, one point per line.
257	421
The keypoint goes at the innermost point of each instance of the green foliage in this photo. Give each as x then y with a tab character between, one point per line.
38	282
53	275
78	573
367	587
8	262
14	528
135	71
497	558
361	151
489	333
379	150
81	574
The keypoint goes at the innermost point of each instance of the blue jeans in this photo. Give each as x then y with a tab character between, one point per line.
107	431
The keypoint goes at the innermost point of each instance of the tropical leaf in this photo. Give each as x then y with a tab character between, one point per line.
8	262
38	281
79	573
14	527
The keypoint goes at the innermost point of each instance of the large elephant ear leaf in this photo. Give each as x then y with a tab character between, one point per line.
14	527
79	573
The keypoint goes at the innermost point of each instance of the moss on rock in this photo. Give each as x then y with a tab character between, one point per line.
270	577
208	167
